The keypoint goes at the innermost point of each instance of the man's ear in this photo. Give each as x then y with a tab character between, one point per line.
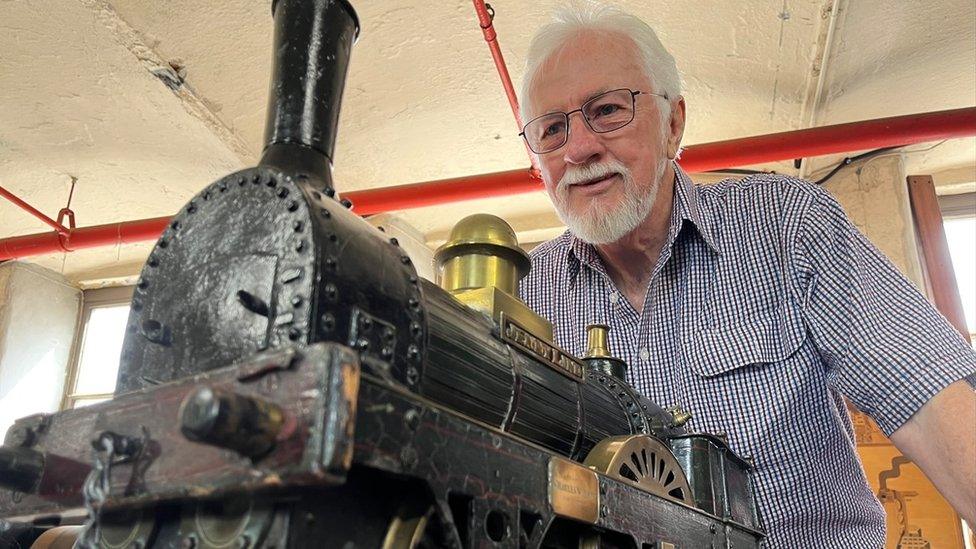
677	127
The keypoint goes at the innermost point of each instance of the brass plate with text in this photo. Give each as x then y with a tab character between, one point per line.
561	361
574	490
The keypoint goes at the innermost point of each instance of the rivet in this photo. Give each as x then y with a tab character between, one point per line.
416	330
283	192
206	195
362	344
316	195
387	352
412	418
298	226
325	213
346	202
152	262
330	262
222	186
333	237
331	292
294	334
296	301
241	180
191	207
300	245
394	241
271	181
413	279
175	225
413	376
405	259
256	178
328	322
329	191
413	353
163	243
365	323
292	206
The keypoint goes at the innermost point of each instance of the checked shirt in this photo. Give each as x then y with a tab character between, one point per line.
765	309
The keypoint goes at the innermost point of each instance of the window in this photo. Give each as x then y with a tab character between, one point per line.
95	360
959	221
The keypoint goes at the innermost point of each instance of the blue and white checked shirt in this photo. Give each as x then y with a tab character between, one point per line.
766	306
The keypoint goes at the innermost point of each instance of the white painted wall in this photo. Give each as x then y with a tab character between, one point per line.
38	316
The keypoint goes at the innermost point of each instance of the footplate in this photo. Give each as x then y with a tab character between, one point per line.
182	449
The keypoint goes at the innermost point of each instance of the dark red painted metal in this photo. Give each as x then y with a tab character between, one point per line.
85	237
33	211
868	134
491	37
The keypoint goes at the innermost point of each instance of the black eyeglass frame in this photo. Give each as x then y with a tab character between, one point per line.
566	115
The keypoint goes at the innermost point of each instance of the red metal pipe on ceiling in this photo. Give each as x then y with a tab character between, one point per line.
485	17
61	229
868	134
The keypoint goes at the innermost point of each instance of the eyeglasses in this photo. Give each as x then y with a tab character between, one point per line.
604	113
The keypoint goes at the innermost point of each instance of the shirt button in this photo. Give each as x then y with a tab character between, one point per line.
644	354
614	297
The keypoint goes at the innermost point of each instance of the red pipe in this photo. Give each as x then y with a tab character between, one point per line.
61	229
868	134
491	37
111	234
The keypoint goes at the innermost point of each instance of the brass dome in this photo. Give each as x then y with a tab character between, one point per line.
482	251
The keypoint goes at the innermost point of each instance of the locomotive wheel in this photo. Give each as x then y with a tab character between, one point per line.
408	530
644	461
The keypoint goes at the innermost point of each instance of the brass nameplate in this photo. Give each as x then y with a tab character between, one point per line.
552	356
574	491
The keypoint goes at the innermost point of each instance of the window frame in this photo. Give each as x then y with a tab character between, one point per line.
91	300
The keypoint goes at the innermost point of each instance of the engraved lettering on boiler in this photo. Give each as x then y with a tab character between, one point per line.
553	356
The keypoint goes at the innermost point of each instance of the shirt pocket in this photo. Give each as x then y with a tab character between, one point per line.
767	337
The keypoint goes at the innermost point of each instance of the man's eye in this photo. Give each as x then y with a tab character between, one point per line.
607	109
552	129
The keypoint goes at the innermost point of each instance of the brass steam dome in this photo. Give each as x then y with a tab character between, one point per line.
482	251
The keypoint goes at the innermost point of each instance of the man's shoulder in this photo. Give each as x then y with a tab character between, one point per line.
759	196
769	188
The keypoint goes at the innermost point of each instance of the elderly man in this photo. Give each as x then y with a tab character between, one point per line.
754	303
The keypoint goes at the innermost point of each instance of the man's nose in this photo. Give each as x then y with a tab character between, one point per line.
583	146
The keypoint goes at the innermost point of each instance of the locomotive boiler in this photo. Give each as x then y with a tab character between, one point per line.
287	380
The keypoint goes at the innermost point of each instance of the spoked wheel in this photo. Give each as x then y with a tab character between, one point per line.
642	460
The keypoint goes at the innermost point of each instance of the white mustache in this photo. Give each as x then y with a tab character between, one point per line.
592	172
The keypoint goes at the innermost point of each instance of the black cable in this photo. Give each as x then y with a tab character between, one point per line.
851	159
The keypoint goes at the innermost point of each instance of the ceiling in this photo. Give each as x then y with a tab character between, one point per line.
144	103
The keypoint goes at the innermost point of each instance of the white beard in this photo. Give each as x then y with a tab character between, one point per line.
595	225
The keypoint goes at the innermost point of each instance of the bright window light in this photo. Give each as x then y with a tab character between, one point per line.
961	236
98	364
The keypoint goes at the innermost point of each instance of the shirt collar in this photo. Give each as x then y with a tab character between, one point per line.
686	208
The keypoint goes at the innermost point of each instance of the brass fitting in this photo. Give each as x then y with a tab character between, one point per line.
482	251
596	341
481	264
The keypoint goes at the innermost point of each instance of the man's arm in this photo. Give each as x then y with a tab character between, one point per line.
941	439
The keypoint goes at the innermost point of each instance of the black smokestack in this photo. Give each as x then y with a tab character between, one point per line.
313	40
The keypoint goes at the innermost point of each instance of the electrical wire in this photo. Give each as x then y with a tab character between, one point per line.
864	156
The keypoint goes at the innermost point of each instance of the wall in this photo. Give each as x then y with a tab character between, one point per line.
38	316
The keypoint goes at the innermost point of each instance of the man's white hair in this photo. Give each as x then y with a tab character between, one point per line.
590	15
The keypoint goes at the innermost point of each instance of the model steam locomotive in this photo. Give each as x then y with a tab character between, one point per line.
287	380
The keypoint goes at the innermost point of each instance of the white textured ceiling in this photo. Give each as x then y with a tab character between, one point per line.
81	95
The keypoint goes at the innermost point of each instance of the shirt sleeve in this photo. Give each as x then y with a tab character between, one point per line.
884	345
